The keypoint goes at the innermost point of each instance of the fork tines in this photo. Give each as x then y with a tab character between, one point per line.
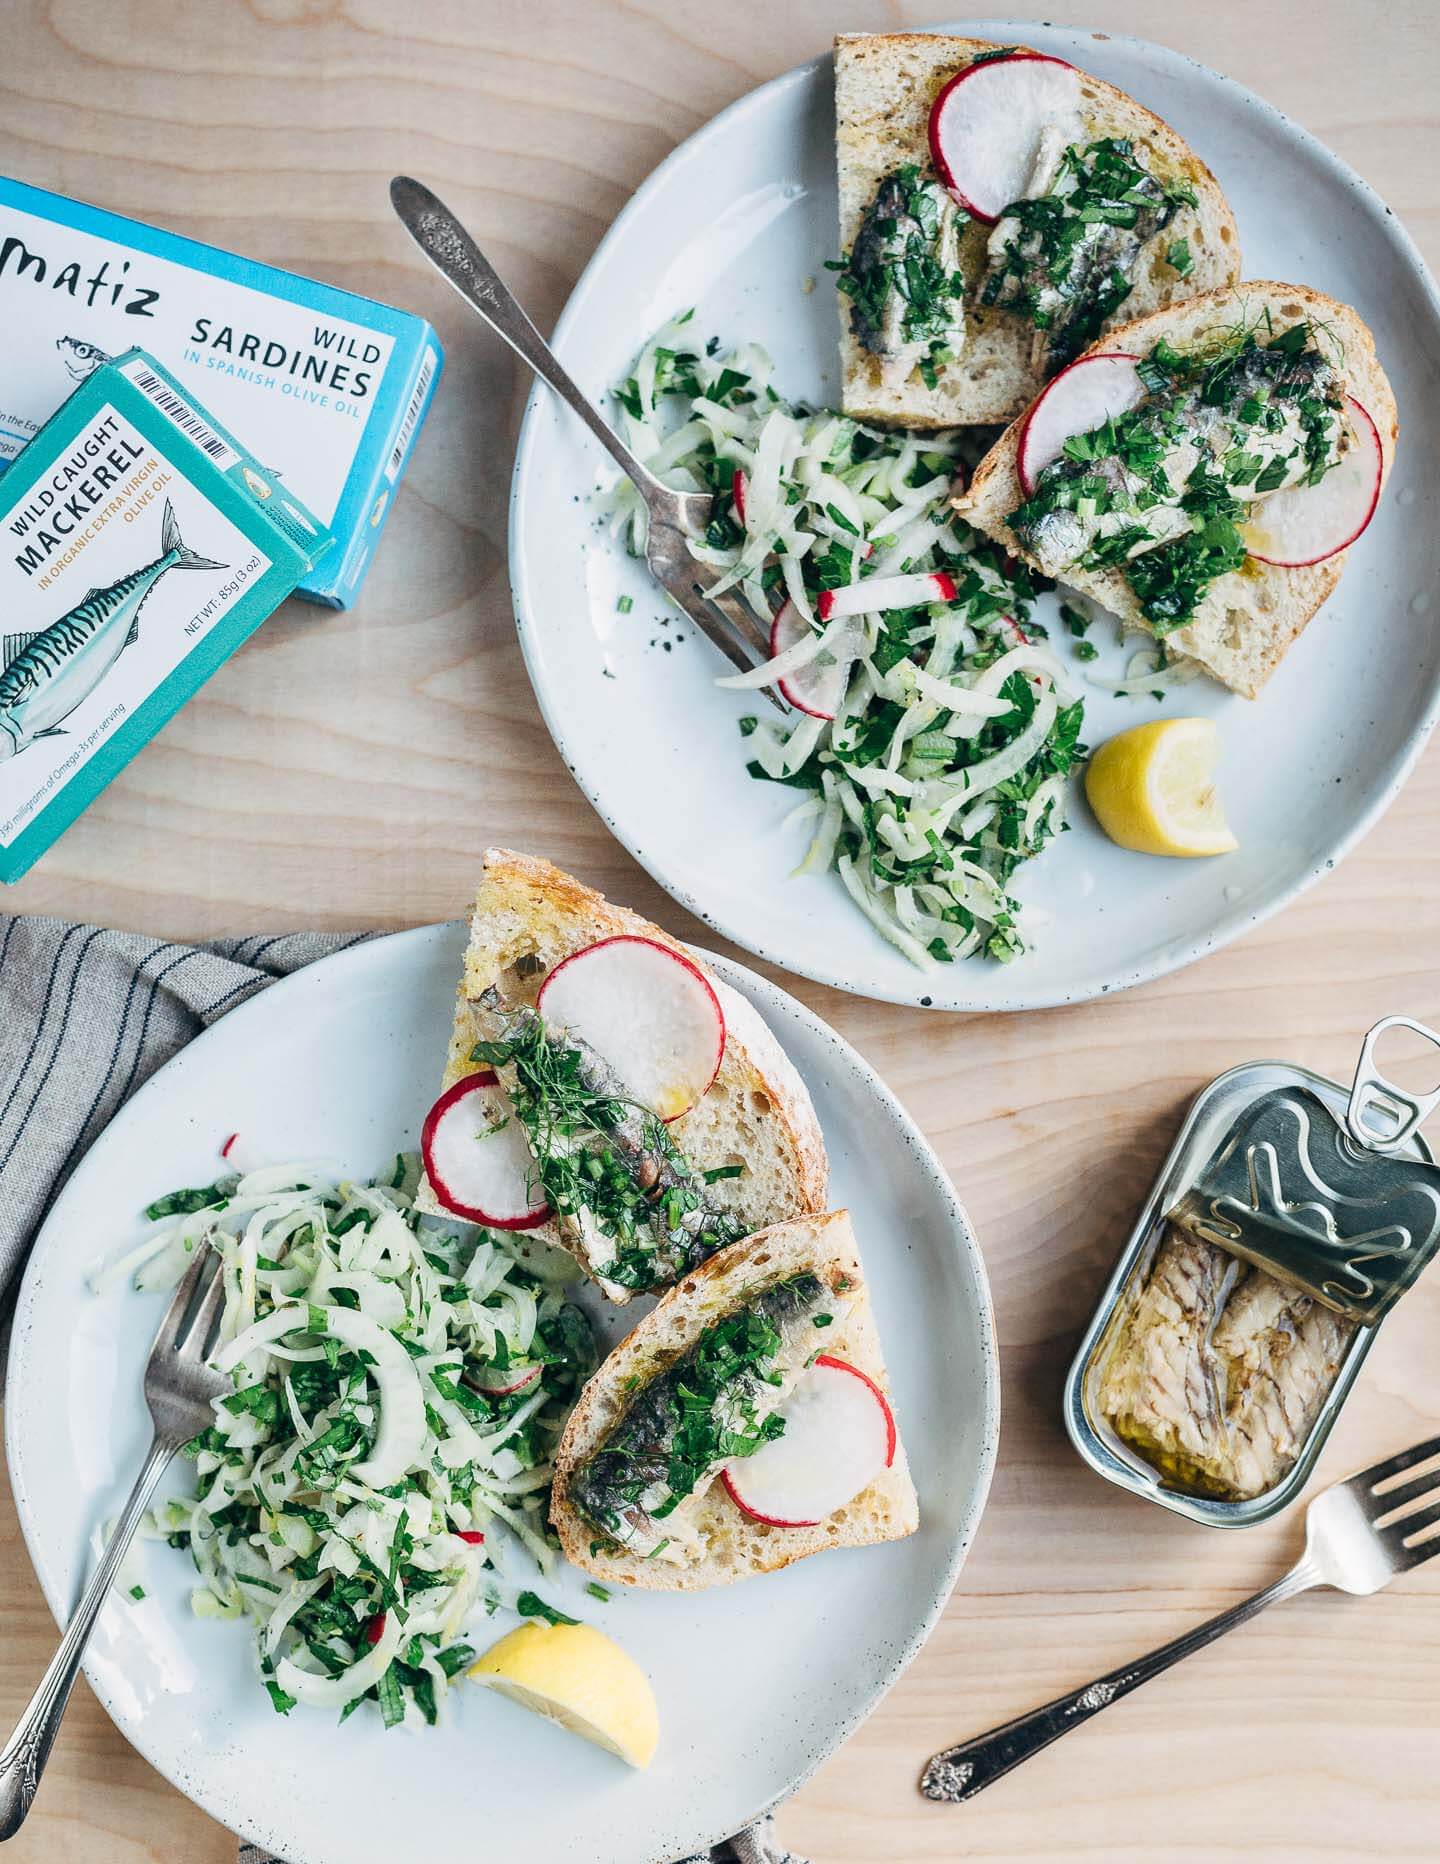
193	1316
1401	1513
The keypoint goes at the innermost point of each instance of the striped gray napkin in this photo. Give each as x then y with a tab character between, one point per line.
86	1016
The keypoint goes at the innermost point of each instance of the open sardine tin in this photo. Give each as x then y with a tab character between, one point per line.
1334	1194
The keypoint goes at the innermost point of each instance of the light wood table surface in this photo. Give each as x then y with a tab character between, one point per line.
347	771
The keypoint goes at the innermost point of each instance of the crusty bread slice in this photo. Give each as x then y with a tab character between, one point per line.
758	1113
884	87
1251	617
734	1547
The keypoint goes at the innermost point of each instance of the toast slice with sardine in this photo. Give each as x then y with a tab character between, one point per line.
954	310
658	1472
1222	443
586	1017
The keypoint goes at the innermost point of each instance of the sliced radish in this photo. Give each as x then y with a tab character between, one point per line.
497	1384
885	592
1081	398
649	1011
737	494
477	1157
986	126
1018	636
818	686
1308	523
471	1535
225	1149
839	1435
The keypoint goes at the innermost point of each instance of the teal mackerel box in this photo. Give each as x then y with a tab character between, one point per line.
140	544
330	389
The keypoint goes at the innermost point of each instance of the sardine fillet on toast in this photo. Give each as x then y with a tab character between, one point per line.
729	1545
528	916
885	84
1252	616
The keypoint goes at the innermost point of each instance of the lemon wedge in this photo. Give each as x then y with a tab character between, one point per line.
578	1677
1153	789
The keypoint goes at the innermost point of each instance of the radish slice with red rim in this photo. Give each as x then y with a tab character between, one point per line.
498	1382
818	686
986	126
477	1157
1307	523
1081	398
882	593
737	495
839	1435
648	1011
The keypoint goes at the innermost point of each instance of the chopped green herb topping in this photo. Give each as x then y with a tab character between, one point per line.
1067	256
186	1203
903	278
718	1401
604	1160
531	1605
1179	257
1162	491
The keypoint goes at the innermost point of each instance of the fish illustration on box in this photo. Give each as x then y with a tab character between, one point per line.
47	675
84	358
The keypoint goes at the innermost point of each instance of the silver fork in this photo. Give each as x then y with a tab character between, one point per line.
179	1386
1358	1535
724	619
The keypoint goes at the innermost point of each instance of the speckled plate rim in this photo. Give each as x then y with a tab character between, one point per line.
930	991
239	1812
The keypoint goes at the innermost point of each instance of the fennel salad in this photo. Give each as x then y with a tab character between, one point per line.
400	1385
933	729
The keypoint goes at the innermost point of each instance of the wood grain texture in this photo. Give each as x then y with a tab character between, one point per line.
348	771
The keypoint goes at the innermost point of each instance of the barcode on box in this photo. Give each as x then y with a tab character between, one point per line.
412	416
183	415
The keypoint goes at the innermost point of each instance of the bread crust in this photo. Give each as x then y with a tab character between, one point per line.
737	1548
758	1111
885	84
1251	617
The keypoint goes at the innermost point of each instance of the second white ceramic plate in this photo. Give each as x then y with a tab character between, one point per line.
739	223
756	1683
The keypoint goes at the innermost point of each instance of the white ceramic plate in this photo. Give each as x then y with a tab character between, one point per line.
757	1683
734	223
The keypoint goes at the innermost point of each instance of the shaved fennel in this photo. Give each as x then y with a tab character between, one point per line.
400	1385
944	768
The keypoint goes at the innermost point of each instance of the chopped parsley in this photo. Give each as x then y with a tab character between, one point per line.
718	1401
531	1605
903	278
1069	262
607	1161
1240	418
186	1203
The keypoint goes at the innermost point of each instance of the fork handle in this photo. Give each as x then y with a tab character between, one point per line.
959	1773
23	1760
453	253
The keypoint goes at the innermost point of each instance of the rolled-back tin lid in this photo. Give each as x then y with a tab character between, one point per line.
1321	1203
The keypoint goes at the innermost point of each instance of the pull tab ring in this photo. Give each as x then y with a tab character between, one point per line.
1381	1116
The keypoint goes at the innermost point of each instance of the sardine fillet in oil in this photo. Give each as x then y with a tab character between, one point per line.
1219	1370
